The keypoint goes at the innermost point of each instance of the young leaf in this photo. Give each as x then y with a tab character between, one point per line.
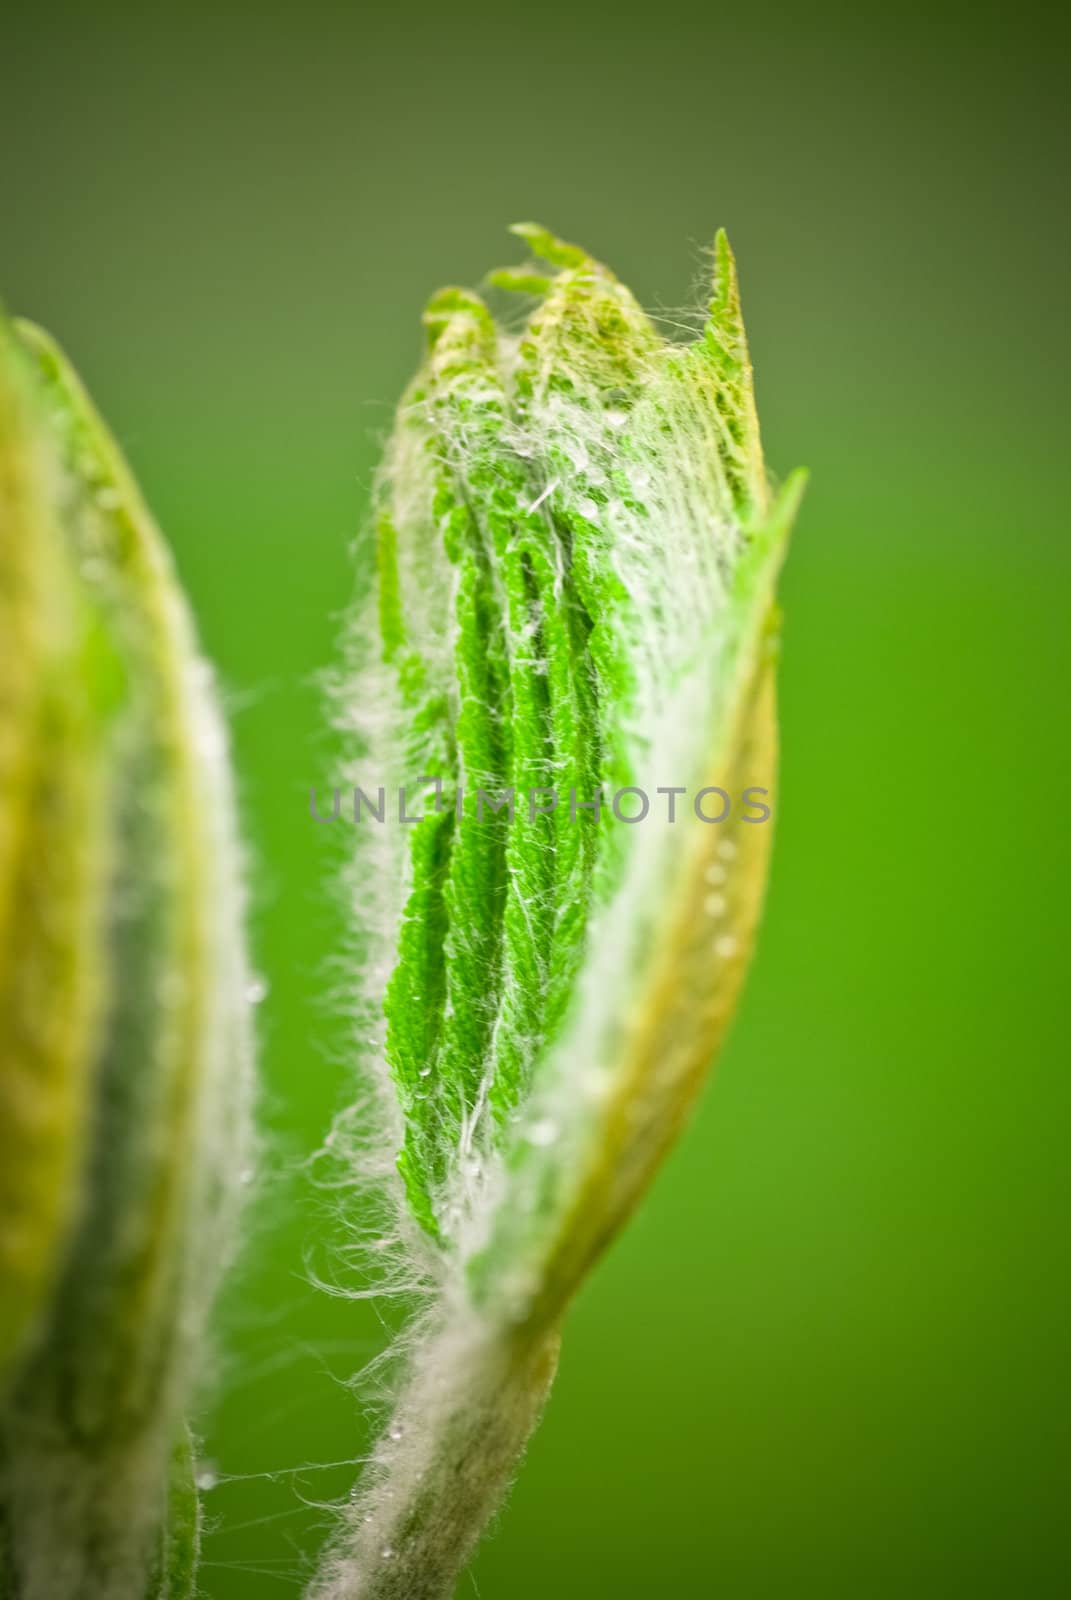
577	557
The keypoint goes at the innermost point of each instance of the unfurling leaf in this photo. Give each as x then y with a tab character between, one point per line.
567	666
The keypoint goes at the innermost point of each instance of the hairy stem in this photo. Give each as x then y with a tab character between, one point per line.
443	1465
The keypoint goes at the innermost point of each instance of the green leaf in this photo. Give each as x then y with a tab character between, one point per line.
578	558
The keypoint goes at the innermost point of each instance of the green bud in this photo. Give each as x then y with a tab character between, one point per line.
576	558
55	719
124	1009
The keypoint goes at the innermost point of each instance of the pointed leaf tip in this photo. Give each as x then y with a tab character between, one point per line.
451	302
517	281
725	286
548	247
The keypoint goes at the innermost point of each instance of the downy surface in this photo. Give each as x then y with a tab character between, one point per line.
575	552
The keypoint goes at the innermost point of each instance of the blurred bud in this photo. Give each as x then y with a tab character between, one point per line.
124	1027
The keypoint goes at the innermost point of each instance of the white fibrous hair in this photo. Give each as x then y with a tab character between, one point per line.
574	555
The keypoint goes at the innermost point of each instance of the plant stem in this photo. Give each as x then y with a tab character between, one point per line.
442	1467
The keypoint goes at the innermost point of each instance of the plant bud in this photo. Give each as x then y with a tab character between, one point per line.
126	1238
574	628
575	558
57	689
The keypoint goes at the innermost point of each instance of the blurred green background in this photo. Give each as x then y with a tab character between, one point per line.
830	1357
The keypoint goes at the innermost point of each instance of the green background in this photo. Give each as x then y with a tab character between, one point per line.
830	1356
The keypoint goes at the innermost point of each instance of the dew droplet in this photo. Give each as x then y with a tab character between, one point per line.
727	850
725	947
256	990
395	1431
542	1133
714	905
387	1552
716	873
207	1479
